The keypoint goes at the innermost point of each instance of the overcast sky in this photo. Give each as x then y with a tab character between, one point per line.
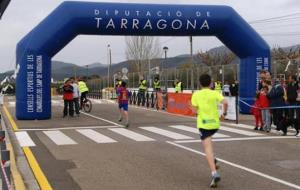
23	15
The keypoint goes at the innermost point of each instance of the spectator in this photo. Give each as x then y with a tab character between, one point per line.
234	88
226	89
298	109
264	103
218	87
142	91
255	110
262	79
178	86
276	100
292	94
68	99
76	95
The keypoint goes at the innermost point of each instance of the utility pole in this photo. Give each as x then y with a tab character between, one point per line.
192	63
166	77
109	65
87	71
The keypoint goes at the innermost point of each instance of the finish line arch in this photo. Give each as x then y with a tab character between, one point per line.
35	50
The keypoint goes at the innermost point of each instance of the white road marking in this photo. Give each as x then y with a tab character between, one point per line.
238	131
239	139
195	130
131	135
12	104
241	167
68	128
102	119
95	136
274	131
166	133
57	102
59	138
96	101
24	139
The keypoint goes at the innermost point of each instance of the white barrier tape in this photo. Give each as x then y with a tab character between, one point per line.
8	185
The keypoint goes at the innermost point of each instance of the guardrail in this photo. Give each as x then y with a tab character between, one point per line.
149	99
5	163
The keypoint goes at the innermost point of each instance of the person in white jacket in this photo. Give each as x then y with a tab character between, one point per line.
76	95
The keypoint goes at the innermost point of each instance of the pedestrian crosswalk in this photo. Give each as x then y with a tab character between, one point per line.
167	133
95	136
139	134
195	130
131	135
59	138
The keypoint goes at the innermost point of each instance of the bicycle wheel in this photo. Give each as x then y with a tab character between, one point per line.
87	106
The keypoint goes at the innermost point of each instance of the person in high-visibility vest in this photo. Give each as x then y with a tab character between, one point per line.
156	84
178	86
84	90
206	101
218	87
142	90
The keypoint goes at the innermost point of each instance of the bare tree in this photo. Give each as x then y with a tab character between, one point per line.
140	50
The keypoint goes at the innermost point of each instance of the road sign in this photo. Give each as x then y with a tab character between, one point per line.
124	70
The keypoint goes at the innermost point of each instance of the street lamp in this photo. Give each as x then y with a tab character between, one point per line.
166	50
87	71
109	64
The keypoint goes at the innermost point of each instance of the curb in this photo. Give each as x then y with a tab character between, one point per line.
22	175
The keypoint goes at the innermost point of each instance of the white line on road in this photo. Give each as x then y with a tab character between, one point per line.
95	136
238	131
99	118
166	133
131	135
96	101
12	104
195	130
24	139
68	128
240	139
244	126
59	138
241	167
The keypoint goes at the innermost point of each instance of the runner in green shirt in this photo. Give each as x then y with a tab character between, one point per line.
206	102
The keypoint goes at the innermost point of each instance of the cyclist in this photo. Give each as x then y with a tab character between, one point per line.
84	90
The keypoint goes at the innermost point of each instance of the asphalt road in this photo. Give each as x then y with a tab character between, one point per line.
159	151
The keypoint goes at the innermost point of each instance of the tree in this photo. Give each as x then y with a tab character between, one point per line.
140	50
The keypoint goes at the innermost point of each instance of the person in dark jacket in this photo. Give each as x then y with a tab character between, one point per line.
292	94
276	100
234	88
68	98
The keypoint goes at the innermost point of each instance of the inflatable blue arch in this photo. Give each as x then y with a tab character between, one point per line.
35	50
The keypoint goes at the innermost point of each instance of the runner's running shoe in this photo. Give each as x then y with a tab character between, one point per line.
216	178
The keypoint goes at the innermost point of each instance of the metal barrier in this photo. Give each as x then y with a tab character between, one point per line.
97	94
5	164
146	99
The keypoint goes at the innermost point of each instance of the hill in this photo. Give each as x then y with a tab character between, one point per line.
61	70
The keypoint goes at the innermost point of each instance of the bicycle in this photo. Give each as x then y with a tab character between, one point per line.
87	105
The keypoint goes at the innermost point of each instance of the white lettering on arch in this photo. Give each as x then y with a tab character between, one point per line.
135	24
176	24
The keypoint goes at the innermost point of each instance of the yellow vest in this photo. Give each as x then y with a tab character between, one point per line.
156	84
82	87
218	87
143	85
178	87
